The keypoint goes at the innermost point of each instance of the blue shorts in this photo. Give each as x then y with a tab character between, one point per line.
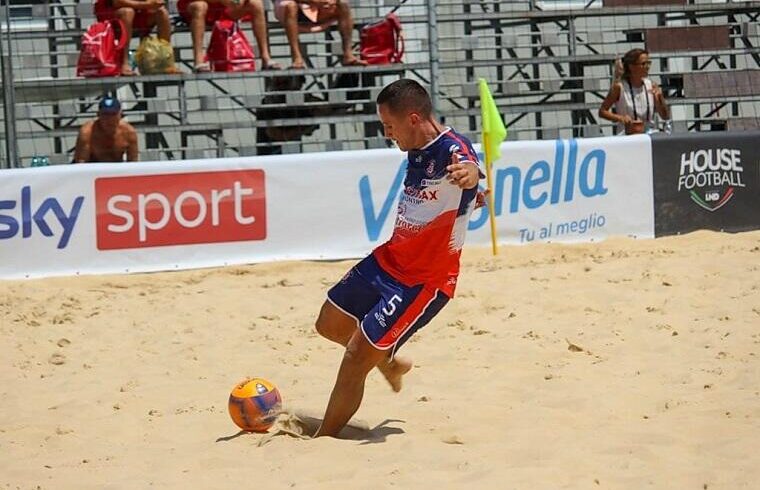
387	312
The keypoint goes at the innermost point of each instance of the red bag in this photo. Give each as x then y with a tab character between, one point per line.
382	43
229	49
102	50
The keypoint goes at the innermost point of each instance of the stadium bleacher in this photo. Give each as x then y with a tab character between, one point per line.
549	64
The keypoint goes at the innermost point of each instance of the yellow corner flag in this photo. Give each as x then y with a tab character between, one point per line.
494	133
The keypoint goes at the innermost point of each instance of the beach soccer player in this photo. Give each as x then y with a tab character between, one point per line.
383	300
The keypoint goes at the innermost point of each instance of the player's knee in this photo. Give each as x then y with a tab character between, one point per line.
356	363
360	357
322	324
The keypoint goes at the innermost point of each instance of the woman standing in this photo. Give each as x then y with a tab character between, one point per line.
635	97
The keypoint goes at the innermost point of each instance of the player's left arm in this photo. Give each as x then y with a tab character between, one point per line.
463	173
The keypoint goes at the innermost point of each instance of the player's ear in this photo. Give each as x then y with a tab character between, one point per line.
414	118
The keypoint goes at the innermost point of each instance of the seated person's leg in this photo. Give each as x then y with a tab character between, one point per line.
127	16
346	28
160	19
196	12
254	9
163	24
286	12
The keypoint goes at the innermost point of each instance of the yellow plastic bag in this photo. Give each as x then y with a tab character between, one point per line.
155	56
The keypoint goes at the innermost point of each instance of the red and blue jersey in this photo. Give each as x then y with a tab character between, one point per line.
432	219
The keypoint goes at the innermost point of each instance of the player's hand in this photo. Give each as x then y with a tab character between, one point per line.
481	198
465	175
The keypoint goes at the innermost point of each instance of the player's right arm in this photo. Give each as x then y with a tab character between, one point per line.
83	149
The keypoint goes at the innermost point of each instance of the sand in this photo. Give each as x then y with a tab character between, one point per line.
623	364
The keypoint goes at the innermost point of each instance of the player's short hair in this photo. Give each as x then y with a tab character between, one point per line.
406	94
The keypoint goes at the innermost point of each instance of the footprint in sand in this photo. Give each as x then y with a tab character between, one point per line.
284	283
452	439
57	359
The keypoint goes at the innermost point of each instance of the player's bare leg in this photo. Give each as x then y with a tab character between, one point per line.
337	326
359	359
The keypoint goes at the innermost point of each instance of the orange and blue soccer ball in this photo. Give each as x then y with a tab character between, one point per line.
254	404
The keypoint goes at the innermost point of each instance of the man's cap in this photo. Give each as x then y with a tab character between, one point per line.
109	105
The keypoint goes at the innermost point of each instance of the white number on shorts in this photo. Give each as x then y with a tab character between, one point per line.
388	310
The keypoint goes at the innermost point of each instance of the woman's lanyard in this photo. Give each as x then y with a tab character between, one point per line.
633	99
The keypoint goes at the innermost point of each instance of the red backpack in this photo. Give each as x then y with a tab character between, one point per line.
229	49
102	50
382	43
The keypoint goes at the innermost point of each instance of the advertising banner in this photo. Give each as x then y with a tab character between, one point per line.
575	190
106	218
707	182
111	218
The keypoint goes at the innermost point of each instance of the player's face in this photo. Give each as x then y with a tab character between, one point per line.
398	127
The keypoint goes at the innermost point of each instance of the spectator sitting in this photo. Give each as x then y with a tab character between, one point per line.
107	138
314	16
200	13
138	16
635	97
271	135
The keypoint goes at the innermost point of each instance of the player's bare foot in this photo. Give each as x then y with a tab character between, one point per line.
395	370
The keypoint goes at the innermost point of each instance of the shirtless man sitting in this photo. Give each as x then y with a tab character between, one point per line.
107	138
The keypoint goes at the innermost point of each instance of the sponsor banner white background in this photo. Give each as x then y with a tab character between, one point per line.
319	206
618	201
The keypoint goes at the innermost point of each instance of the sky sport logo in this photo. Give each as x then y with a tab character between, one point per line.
710	176
180	209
